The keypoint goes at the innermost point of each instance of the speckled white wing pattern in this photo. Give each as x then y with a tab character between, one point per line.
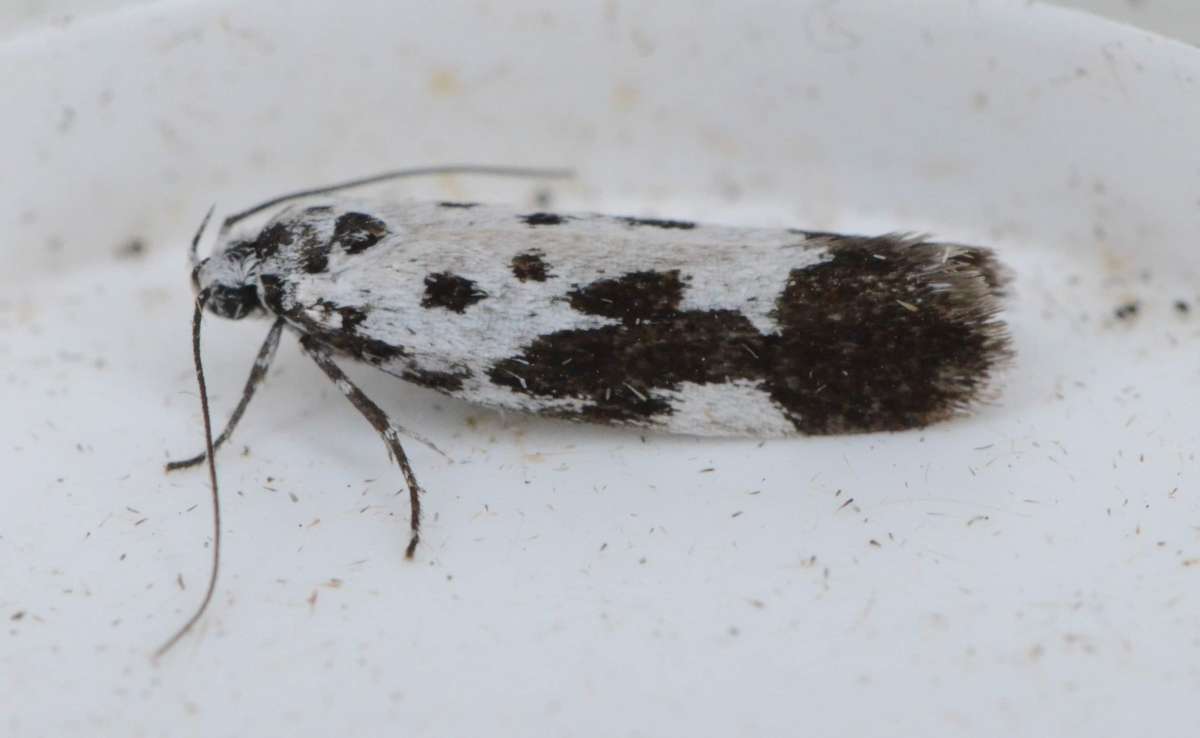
672	325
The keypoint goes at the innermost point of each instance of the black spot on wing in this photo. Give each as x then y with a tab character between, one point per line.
633	297
530	267
271	239
441	381
658	223
544	219
450	291
315	260
614	368
886	335
296	236
357	232
462	205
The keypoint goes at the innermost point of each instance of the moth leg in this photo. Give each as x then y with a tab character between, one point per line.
261	364
379	420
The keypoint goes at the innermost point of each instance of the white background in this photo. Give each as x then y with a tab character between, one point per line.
1031	570
1175	18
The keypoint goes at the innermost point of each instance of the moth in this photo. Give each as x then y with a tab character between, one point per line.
661	324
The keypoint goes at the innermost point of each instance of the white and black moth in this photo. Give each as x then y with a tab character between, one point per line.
659	324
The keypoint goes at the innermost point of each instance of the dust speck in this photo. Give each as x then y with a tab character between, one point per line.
444	82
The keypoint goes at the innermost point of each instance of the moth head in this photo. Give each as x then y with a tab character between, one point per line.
229	281
226	282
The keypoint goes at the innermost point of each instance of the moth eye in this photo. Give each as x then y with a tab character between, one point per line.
233	302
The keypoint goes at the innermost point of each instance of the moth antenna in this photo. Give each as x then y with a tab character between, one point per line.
480	169
194	253
212	478
262	363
